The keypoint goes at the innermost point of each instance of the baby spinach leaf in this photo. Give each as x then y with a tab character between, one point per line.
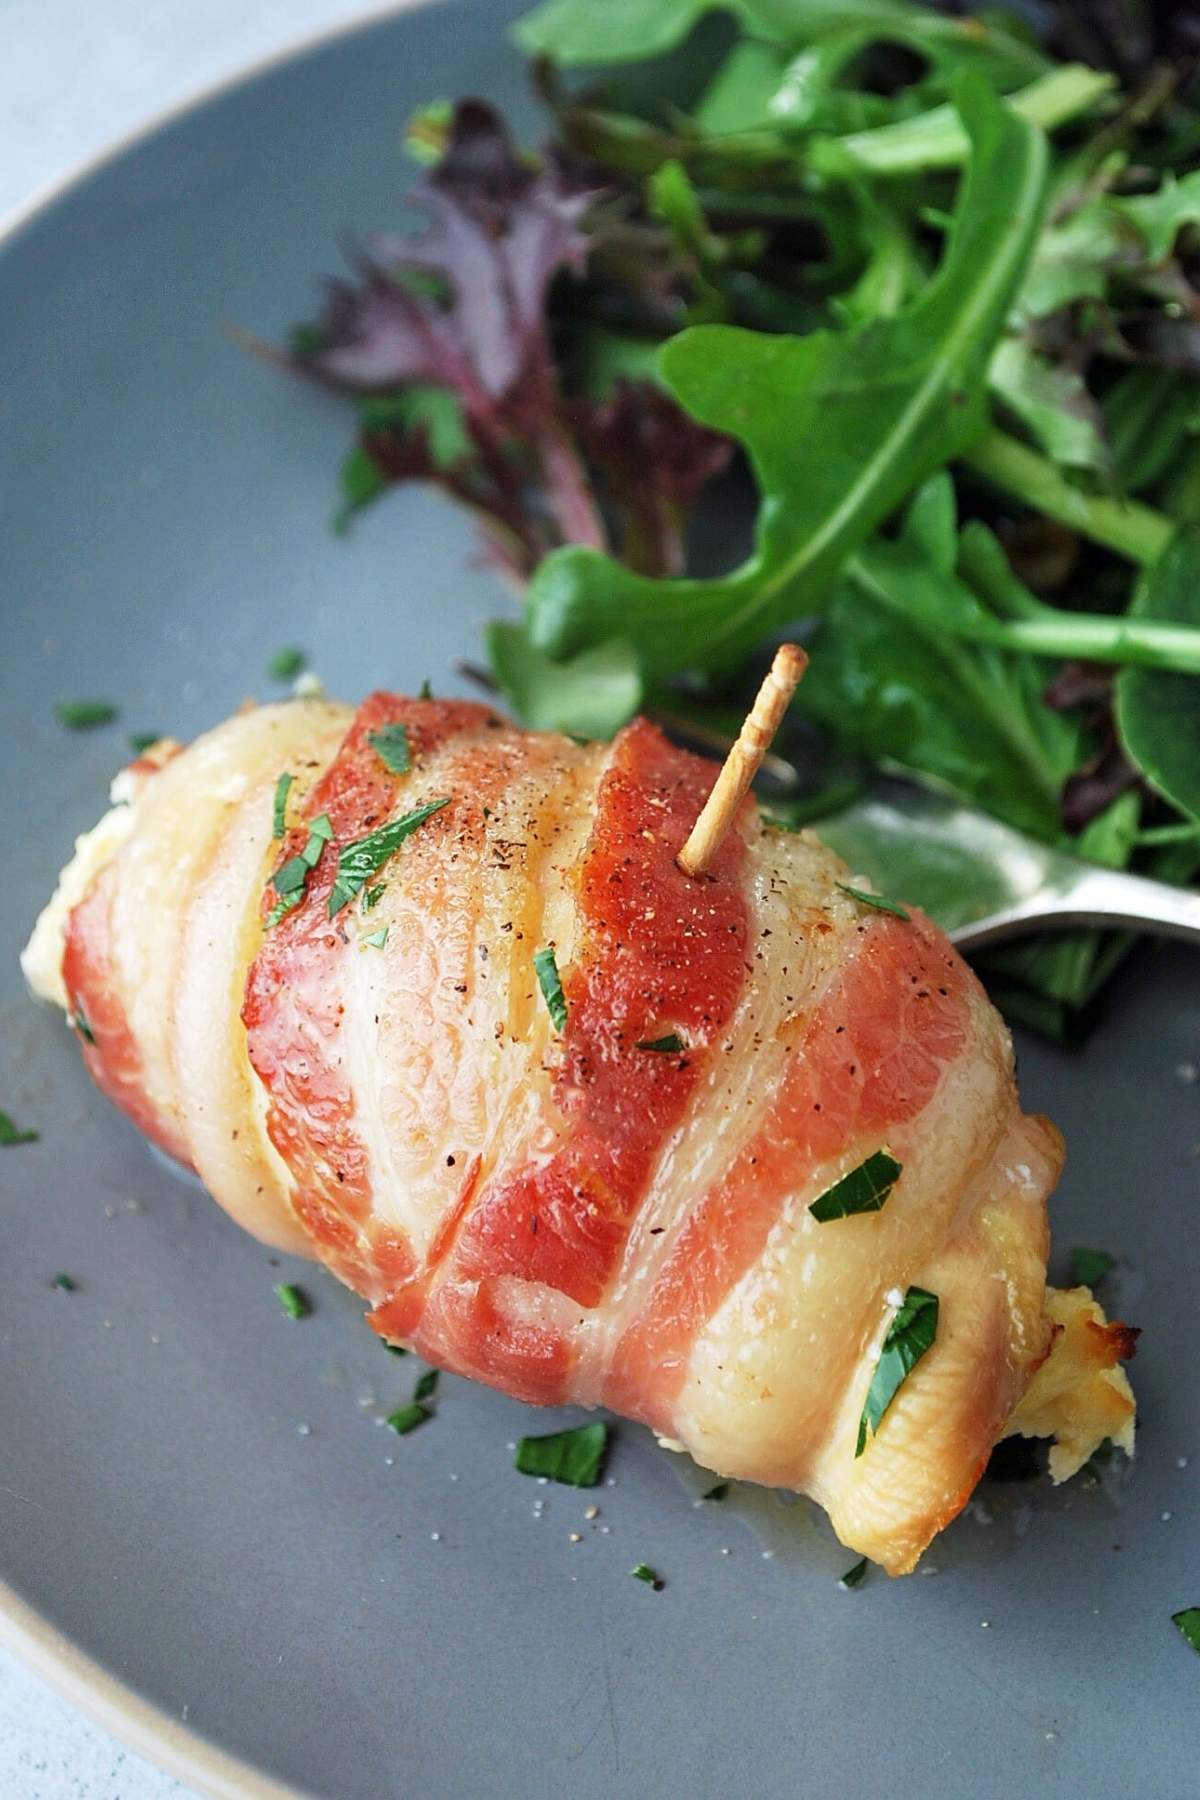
1158	713
1052	402
839	427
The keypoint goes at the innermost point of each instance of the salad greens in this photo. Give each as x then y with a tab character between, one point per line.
849	317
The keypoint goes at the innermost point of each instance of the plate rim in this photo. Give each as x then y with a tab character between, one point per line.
43	1647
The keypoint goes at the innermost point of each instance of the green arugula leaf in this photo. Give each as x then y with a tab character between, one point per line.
886	403
85	715
358	861
390	744
878	901
910	1334
1090	1266
286	664
279	811
293	1300
546	969
574	1457
865	1189
1159	217
591	695
1045	981
937	139
12	1133
622	31
892	680
1158	713
1150	416
1051	400
740	94
407	1418
1188	1622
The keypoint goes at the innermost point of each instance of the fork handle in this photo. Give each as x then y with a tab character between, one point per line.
1090	896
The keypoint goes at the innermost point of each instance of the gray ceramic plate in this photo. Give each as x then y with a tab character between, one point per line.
195	1491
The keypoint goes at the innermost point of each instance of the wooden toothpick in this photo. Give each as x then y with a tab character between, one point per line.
744	760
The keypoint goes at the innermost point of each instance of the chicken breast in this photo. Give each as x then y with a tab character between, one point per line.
345	1033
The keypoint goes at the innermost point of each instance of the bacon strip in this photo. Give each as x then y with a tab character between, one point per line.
863	1064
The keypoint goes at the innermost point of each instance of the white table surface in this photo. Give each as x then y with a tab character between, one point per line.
75	77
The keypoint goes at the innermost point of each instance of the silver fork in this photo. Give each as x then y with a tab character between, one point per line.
984	882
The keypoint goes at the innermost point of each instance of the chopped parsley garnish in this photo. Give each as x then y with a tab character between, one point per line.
665	1046
85	715
377	939
286	664
66	1282
293	1300
141	741
876	900
373	895
573	1457
863	1190
290	881
556	1001
282	908
357	862
426	1384
716	1493
77	1019
279	816
853	1576
1090	1266
11	1132
295	871
909	1336
407	1418
643	1572
390	744
1188	1622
